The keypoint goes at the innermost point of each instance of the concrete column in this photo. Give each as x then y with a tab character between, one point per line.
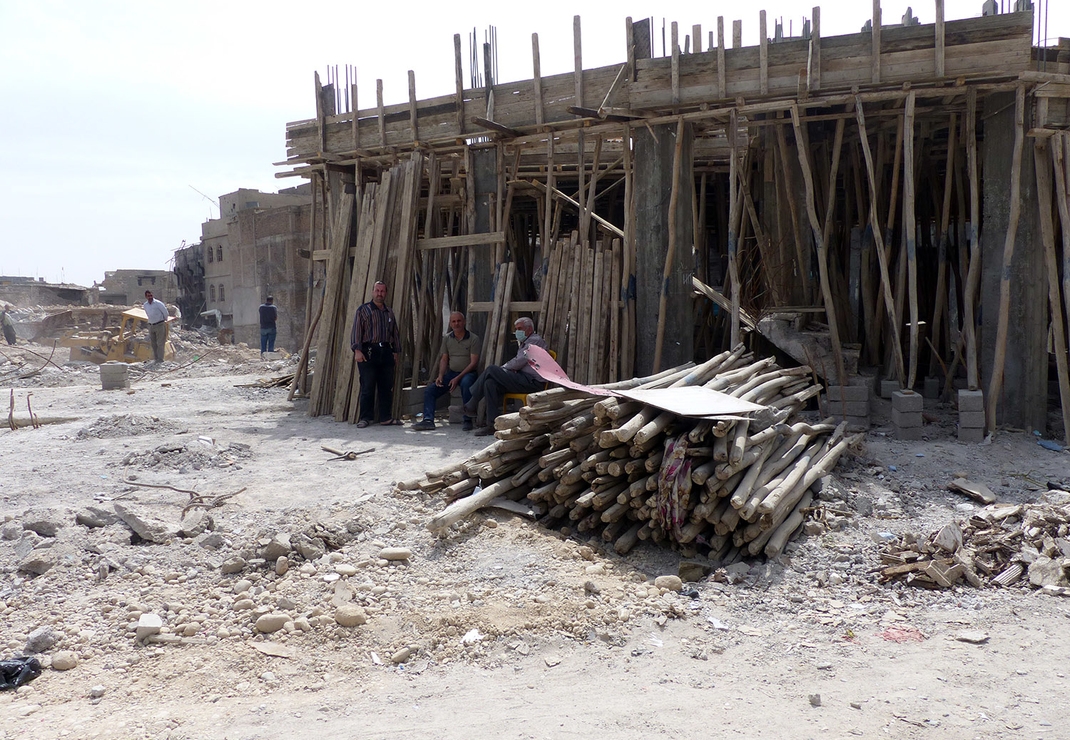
653	188
1023	401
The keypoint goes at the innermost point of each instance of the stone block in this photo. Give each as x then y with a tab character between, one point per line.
909	433
839	409
971	435
932	388
906	419
888	387
848	393
971	401
972	419
905	401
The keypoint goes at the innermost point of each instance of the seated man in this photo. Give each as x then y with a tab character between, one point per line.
460	357
515	376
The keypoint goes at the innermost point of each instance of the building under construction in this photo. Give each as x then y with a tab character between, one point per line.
891	202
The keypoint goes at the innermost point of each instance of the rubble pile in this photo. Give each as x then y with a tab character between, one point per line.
195	456
999	545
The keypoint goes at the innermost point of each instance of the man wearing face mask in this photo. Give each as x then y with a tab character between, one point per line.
515	376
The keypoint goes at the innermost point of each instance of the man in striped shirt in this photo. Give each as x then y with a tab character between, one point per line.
375	343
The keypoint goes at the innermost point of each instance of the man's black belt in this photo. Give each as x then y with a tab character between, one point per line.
156	323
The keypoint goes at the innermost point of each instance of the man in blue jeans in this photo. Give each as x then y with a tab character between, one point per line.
269	314
457	367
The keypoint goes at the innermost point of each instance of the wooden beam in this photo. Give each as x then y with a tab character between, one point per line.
973	272
458	74
814	62
733	219
674	199
910	232
465	240
940	38
574	203
382	112
493	126
674	66
413	122
721	86
763	55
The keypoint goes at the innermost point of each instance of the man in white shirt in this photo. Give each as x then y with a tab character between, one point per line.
156	312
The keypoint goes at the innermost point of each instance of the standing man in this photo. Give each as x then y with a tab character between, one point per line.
156	313
9	327
375	344
269	314
460	358
515	376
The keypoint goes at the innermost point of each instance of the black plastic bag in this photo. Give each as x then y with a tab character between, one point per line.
18	671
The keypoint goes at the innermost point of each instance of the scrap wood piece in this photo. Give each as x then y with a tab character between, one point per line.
345	454
702	289
280	381
976	491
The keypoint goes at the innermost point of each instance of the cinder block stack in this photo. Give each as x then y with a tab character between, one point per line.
971	416
850	402
906	414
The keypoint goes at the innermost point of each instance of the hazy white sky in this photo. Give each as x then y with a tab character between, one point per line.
111	112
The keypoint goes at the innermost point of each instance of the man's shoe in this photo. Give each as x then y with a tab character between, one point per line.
424	426
469	409
483	432
466	425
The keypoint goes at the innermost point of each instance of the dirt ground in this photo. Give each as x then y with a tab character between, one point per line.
499	628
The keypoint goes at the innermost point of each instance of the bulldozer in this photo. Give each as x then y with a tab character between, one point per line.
130	343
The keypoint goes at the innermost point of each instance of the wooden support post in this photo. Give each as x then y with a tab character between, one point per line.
627	344
381	111
814	62
802	262
822	255
458	74
721	87
939	38
763	54
413	123
536	78
875	43
996	382
1059	145
910	232
549	238
674	199
1047	233
733	219
942	240
878	241
973	272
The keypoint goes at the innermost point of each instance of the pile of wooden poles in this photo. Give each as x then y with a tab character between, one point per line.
727	489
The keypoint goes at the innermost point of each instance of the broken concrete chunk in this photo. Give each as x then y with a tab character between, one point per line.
146	527
1045	571
233	565
95	517
149	624
949	538
194	523
974	637
309	548
276	547
45	522
41	640
38	561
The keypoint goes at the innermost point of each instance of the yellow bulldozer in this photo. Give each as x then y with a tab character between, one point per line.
129	344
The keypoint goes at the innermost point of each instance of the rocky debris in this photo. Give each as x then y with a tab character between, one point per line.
41	640
146	527
184	458
273	622
395	553
998	545
350	615
275	547
95	517
64	660
125	425
45	522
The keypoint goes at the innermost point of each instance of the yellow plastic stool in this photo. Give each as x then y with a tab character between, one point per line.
523	397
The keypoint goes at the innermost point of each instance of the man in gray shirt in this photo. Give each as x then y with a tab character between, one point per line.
456	367
515	376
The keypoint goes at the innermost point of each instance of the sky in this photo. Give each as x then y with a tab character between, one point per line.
121	121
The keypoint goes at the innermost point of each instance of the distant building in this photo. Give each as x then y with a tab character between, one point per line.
28	291
127	287
258	247
189	276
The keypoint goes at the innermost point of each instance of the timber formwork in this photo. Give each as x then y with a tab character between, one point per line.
886	188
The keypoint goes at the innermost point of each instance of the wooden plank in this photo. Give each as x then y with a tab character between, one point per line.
939	38
612	296
458	80
382	112
504	322
413	121
942	242
536	78
996	383
721	87
464	240
627	359
875	44
763	54
573	319
598	315
813	67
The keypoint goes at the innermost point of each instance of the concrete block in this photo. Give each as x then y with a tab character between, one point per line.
971	435
848	393
847	408
908	401
906	418
972	419
909	433
971	401
888	387
932	388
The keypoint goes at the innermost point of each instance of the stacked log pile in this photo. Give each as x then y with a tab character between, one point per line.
627	471
1000	545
